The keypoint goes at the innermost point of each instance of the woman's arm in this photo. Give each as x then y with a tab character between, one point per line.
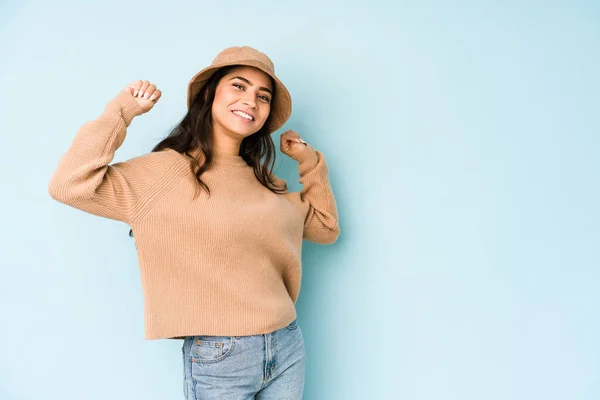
83	178
321	223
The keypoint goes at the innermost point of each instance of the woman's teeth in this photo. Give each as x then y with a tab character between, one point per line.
244	115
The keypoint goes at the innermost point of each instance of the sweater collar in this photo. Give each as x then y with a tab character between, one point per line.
222	158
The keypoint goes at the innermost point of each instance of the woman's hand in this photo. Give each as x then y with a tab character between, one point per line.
145	93
291	144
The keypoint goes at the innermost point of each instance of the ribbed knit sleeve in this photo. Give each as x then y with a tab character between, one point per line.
321	223
85	180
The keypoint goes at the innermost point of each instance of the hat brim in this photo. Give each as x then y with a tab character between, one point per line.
281	107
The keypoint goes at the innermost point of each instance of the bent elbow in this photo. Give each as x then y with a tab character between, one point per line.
322	236
63	192
56	190
332	237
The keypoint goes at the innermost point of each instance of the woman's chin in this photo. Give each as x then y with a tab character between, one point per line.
244	132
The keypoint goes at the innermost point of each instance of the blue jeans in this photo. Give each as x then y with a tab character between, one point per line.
262	367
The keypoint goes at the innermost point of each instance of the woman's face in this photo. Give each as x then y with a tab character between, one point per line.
242	102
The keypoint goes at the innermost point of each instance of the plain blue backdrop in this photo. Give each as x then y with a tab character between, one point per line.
462	140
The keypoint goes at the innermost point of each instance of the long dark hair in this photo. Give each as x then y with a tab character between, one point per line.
195	131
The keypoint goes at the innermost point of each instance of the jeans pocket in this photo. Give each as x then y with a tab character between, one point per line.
292	325
211	349
185	388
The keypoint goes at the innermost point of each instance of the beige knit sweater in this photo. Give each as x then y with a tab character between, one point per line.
228	264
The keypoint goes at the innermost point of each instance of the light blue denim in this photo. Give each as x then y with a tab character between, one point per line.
262	367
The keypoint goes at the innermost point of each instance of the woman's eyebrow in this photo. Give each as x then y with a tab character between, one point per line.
250	83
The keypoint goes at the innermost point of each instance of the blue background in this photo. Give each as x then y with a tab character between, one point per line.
462	139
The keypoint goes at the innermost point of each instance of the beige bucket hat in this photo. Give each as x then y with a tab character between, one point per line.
281	107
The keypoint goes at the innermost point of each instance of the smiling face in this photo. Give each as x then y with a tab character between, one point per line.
242	102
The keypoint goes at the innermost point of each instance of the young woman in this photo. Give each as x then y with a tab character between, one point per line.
218	235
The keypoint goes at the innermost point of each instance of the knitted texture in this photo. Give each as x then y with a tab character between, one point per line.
225	264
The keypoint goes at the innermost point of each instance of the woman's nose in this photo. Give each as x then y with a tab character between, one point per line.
250	102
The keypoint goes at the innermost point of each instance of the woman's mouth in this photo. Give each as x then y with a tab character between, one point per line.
243	116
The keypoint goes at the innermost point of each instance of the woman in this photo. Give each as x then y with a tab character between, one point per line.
218	235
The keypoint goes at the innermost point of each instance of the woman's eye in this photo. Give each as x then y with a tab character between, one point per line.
237	85
265	98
